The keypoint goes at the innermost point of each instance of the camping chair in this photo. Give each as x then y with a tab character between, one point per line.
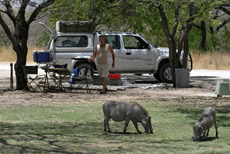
31	75
83	78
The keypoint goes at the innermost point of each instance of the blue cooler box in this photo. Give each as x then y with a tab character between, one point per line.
41	57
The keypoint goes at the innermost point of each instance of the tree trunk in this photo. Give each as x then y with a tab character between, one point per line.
213	37
171	42
185	55
203	36
21	81
20	47
172	60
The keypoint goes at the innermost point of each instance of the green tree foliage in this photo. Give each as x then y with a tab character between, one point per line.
44	40
112	15
141	16
210	27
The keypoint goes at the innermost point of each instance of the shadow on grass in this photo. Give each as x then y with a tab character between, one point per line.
208	139
222	114
69	137
47	137
127	133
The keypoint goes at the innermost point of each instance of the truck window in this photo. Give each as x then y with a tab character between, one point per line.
113	40
134	42
72	41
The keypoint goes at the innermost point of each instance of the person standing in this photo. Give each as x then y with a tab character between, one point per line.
101	53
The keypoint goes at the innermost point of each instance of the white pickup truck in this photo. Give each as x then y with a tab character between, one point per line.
133	54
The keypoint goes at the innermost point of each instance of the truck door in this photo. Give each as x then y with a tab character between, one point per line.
114	41
138	54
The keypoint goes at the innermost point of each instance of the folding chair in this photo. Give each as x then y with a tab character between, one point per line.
31	74
83	78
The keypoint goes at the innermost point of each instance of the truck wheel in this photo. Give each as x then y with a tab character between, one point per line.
82	68
165	73
156	76
190	62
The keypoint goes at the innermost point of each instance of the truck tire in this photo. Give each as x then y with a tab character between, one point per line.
156	76
82	68
190	62
165	73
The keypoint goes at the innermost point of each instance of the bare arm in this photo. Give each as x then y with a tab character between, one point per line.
113	55
94	55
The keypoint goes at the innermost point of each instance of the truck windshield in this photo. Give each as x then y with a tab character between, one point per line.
72	41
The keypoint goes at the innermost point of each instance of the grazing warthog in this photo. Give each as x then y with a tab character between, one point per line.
120	111
204	123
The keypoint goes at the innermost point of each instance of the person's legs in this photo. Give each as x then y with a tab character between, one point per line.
104	75
104	83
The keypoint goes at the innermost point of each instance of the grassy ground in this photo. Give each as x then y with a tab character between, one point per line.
78	128
71	127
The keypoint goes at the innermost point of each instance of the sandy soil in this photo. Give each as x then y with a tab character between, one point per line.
201	88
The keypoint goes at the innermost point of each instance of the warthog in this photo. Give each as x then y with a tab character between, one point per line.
120	111
204	123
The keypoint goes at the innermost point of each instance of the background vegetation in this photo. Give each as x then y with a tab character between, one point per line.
132	15
208	39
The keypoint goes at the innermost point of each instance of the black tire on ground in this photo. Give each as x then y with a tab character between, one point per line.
165	73
156	76
82	68
190	62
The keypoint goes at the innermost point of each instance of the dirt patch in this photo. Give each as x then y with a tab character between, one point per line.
155	91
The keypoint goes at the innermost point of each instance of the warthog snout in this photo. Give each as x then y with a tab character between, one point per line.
195	138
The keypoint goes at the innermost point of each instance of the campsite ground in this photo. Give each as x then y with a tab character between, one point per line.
72	122
202	86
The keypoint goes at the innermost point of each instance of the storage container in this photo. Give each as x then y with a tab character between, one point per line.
75	26
114	76
182	77
41	56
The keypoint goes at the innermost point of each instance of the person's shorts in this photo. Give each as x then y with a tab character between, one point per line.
103	70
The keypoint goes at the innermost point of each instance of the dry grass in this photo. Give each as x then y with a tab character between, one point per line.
9	55
208	60
211	60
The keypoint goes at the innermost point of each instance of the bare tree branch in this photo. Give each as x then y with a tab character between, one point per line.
38	10
9	10
225	10
176	21
223	24
6	28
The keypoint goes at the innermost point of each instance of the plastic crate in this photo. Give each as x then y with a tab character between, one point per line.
114	76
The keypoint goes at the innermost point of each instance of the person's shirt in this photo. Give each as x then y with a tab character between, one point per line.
103	54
